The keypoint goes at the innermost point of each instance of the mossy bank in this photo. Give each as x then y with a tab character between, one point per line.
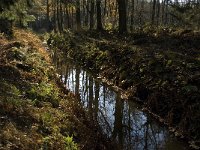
36	111
160	67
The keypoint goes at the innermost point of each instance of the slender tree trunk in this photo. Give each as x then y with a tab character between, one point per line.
54	17
105	8
91	95
132	15
84	11
61	17
78	15
141	13
72	18
118	123
122	16
99	21
113	17
92	15
153	12
67	17
96	101
166	12
58	15
48	18
163	10
110	8
158	12
77	83
87	14
64	17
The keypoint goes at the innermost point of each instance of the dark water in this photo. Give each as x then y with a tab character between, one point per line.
119	119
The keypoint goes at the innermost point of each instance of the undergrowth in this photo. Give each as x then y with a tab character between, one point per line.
35	112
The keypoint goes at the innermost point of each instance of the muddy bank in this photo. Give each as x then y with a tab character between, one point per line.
161	69
37	112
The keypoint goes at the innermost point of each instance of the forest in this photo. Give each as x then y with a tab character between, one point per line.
99	74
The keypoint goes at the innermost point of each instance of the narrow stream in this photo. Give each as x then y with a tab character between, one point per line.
120	120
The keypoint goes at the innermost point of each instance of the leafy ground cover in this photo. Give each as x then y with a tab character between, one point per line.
159	66
36	110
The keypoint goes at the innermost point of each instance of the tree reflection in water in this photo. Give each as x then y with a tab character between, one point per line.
120	120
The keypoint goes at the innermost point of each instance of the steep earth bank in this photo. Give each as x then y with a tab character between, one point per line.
36	110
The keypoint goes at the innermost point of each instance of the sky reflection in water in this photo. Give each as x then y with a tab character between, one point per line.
119	119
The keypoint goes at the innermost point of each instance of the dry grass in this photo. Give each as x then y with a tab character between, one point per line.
31	39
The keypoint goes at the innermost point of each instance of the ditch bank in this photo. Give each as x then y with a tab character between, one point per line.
37	112
161	69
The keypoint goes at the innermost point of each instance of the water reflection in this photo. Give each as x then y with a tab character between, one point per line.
120	120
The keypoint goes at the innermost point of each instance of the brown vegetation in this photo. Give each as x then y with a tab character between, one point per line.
35	112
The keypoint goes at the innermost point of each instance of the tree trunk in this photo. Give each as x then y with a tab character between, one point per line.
141	13
84	11
54	16
105	8
58	15
87	14
90	96
92	15
72	18
67	17
99	21
122	16
61	17
153	12
78	15
163	10
158	12
132	15
48	18
166	12
96	101
118	123
77	76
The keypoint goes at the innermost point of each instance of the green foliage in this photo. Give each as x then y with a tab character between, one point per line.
67	142
55	39
70	144
108	26
47	118
44	92
18	13
16	54
10	95
46	143
101	58
32	62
